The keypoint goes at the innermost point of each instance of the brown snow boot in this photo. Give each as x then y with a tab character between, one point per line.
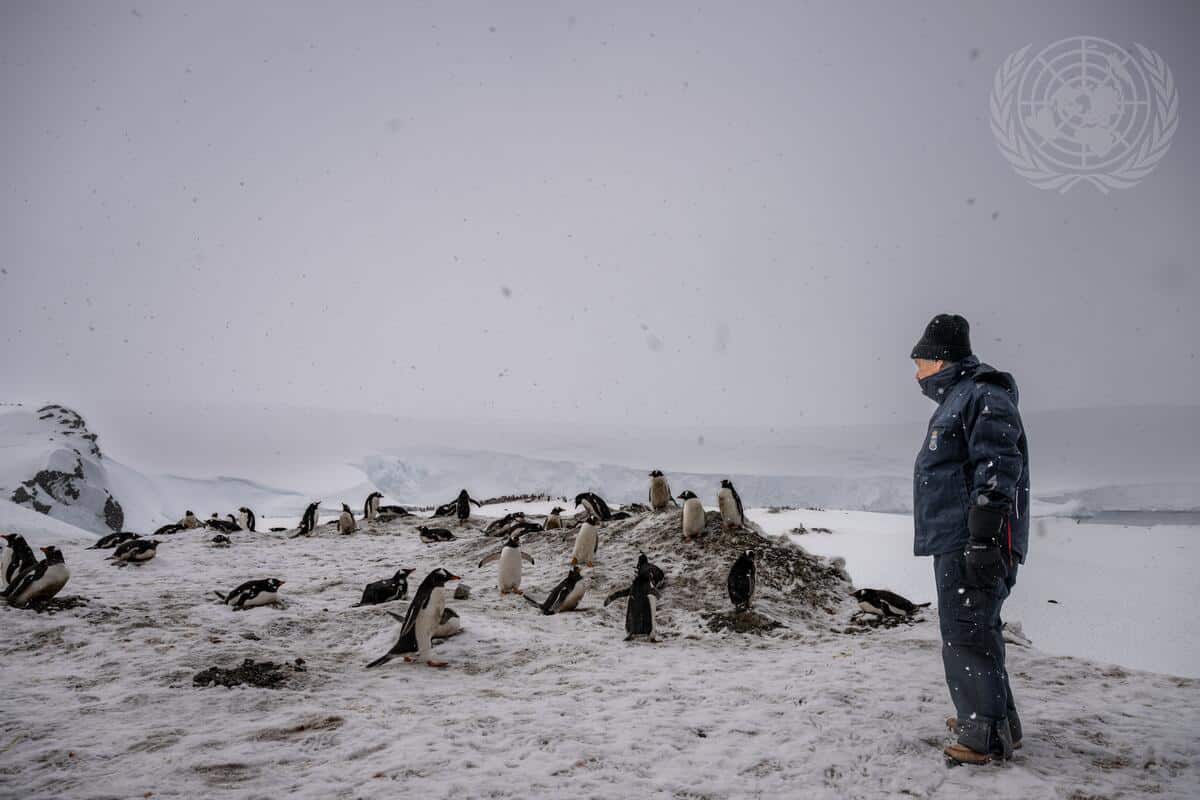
961	754
952	726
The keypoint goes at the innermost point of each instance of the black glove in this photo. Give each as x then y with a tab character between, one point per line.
985	561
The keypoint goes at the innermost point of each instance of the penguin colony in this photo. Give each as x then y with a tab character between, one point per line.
28	582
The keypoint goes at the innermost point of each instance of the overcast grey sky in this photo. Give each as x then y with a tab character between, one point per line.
687	213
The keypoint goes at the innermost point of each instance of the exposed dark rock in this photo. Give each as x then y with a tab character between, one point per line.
741	622
263	674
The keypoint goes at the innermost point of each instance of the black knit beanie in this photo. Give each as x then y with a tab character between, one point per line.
947	338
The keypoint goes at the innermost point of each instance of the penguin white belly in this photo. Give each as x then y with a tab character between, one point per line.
50	584
693	517
143	555
510	570
728	507
243	521
5	560
428	620
571	601
261	599
653	618
585	545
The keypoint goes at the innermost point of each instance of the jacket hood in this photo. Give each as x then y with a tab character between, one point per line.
937	386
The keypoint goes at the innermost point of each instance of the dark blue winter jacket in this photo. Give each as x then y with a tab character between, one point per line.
973	453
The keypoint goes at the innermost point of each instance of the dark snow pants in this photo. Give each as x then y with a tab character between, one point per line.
973	656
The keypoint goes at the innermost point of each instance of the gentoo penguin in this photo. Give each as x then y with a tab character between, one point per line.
114	539
417	626
510	556
222	525
462	505
554	520
346	523
449	626
371	506
430	535
658	578
883	603
742	581
730	503
446	509
660	491
17	558
587	542
308	521
135	551
40	583
565	596
523	526
252	593
390	512
498	527
594	505
247	519
693	515
167	530
643	605
385	591
189	521
220	540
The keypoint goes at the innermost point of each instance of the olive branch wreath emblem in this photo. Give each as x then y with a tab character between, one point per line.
1032	165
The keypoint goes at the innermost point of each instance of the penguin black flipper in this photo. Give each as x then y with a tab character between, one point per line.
737	498
616	596
222	596
531	601
489	559
526	556
27	579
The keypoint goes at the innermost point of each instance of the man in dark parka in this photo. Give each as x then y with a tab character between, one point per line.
971	513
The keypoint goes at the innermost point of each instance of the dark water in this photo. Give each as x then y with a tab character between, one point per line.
1143	519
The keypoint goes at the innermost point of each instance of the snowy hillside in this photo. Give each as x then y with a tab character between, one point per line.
532	706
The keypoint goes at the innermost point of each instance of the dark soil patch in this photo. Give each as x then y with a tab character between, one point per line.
741	622
263	674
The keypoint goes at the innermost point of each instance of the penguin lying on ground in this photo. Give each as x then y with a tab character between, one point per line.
42	582
643	605
565	596
742	581
220	540
658	578
113	539
424	616
554	520
523	526
221	525
730	505
247	520
587	542
883	603
594	505
660	491
346	523
135	551
18	557
431	535
252	593
167	530
497	526
385	591
693	515
510	557
392	512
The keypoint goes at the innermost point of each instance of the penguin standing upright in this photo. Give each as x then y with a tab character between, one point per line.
594	505
742	581
425	615
346	523
394	588
660	491
510	557
554	519
730	504
642	608
371	506
693	515
190	520
40	583
252	593
247	519
565	596
462	505
17	558
587	542
135	551
308	522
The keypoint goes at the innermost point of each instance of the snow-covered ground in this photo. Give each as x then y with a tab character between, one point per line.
99	699
1121	592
